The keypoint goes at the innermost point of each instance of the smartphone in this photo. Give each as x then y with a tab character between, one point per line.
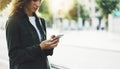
58	36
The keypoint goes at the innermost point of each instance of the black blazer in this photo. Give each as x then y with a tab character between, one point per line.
23	43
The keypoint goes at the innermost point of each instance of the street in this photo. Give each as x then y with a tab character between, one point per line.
88	49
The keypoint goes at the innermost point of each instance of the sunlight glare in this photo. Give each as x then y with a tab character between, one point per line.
57	5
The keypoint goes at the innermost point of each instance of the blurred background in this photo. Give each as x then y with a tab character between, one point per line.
91	31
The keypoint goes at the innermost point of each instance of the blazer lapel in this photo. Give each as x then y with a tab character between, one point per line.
41	29
32	30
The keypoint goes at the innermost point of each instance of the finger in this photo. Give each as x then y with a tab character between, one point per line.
53	36
49	43
54	45
55	41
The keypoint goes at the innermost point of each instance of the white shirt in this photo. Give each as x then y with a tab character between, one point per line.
32	21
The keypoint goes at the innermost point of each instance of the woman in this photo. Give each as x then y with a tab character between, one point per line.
26	37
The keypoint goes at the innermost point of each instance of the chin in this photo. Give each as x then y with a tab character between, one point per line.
34	11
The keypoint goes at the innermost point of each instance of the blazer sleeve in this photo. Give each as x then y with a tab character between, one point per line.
49	51
16	52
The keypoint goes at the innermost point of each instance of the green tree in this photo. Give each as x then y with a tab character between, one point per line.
107	7
45	10
84	14
73	11
3	4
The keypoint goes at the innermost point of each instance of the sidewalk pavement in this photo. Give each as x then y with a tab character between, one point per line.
89	39
87	49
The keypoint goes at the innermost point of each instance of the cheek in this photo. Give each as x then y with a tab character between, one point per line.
29	6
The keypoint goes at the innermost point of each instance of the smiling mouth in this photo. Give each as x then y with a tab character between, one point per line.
35	8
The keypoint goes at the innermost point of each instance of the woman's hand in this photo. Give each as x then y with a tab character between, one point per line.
49	44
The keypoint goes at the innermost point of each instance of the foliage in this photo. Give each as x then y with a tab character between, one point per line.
3	4
107	6
84	14
73	13
44	10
